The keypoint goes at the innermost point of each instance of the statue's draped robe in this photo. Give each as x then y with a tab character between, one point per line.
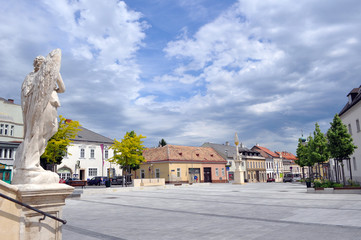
39	102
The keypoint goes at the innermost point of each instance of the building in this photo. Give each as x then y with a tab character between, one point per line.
274	164
183	164
289	165
228	153
11	135
351	117
87	157
255	165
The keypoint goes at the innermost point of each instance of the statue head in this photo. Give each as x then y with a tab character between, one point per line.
37	62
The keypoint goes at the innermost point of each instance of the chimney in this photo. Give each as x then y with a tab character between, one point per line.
11	100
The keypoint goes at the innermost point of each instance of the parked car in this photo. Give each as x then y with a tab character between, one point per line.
270	180
69	180
97	181
292	177
119	180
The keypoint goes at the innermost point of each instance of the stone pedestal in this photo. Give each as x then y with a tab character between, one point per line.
18	222
238	174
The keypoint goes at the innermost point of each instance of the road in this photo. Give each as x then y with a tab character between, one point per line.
213	211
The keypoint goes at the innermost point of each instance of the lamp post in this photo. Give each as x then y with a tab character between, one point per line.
239	173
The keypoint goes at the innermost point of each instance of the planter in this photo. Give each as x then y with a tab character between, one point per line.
319	188
308	184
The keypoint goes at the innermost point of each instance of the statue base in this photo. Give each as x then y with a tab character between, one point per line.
21	223
238	177
34	176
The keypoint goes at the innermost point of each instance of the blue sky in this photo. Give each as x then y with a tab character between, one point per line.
191	71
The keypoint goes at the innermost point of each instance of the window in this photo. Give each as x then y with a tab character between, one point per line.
157	173
6	129
10	153
223	173
106	154
142	173
217	173
348	165
5	153
111	172
82	153
92	172
357	125
1	129
92	153
350	129
1	153
12	131
354	163
178	172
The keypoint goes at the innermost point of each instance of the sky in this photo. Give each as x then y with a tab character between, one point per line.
191	71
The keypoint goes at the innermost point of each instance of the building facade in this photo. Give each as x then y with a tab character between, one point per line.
228	153
351	117
255	165
274	164
88	157
11	135
183	164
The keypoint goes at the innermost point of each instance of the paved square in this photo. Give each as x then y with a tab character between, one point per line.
213	211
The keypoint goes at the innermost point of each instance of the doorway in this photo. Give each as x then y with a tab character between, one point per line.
207	174
81	174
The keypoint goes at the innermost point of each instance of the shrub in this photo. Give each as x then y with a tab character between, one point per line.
353	183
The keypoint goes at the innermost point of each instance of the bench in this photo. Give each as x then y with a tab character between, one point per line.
77	183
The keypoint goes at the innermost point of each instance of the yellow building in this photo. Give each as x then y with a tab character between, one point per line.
183	164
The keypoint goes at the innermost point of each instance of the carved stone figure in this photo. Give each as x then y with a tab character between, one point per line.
39	102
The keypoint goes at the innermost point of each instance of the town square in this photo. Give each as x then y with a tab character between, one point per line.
202	119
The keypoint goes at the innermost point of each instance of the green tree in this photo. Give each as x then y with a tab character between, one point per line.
57	145
129	152
340	144
162	143
318	148
302	156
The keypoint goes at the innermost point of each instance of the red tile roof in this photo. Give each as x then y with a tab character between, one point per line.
288	155
182	153
266	150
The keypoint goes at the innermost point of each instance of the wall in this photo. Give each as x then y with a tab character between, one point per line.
88	162
350	118
9	213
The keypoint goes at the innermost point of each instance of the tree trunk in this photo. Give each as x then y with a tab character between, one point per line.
336	172
349	163
343	174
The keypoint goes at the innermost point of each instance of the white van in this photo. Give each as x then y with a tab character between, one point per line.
292	177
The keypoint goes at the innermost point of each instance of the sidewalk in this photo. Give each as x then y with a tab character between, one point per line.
212	211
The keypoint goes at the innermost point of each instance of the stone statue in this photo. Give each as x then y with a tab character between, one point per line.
39	102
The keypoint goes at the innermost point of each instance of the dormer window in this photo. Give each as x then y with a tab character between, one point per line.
197	154
211	155
180	154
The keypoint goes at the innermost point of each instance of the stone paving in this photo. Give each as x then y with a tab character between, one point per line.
213	211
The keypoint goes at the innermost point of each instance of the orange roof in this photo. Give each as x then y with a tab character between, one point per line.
288	155
182	153
269	152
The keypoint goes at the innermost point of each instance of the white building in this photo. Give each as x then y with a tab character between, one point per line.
351	117
87	157
11	135
274	163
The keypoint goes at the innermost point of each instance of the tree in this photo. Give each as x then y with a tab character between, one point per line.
340	143
58	144
129	152
302	156
318	148
162	143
